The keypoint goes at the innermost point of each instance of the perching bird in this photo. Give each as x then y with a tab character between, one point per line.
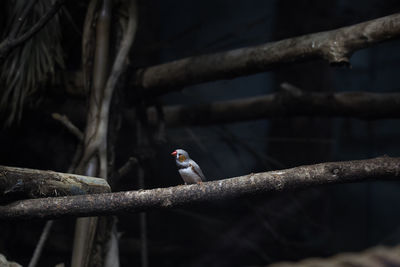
188	169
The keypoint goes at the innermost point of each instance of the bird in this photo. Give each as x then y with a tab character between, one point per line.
188	168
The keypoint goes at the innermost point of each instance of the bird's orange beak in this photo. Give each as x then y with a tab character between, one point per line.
173	153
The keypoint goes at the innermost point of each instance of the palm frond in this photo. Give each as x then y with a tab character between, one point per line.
32	65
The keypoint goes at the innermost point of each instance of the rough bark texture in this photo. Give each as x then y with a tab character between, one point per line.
382	168
362	105
18	183
335	46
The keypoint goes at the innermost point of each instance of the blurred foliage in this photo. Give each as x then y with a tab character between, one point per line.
31	65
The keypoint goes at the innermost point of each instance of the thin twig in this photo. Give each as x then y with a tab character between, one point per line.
69	125
39	247
382	168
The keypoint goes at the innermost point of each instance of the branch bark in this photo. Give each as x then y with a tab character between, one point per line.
381	168
335	46
17	183
361	105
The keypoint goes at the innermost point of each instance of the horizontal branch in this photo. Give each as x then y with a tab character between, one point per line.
335	46
18	183
362	105
382	168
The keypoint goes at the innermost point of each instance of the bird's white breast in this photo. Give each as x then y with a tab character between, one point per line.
189	176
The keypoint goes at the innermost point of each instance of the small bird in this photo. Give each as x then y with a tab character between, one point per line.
188	169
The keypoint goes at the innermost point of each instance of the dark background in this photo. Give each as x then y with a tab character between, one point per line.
315	222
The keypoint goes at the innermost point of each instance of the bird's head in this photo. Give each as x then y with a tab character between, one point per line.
180	155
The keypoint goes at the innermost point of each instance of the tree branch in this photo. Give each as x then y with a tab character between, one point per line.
39	247
69	125
335	46
361	105
17	183
382	168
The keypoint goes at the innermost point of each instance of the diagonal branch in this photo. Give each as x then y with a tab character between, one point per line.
335	46
39	247
69	125
382	168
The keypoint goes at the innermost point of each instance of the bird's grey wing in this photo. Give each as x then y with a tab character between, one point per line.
197	170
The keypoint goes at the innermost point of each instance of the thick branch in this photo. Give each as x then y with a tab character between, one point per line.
335	46
362	105
17	183
382	168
